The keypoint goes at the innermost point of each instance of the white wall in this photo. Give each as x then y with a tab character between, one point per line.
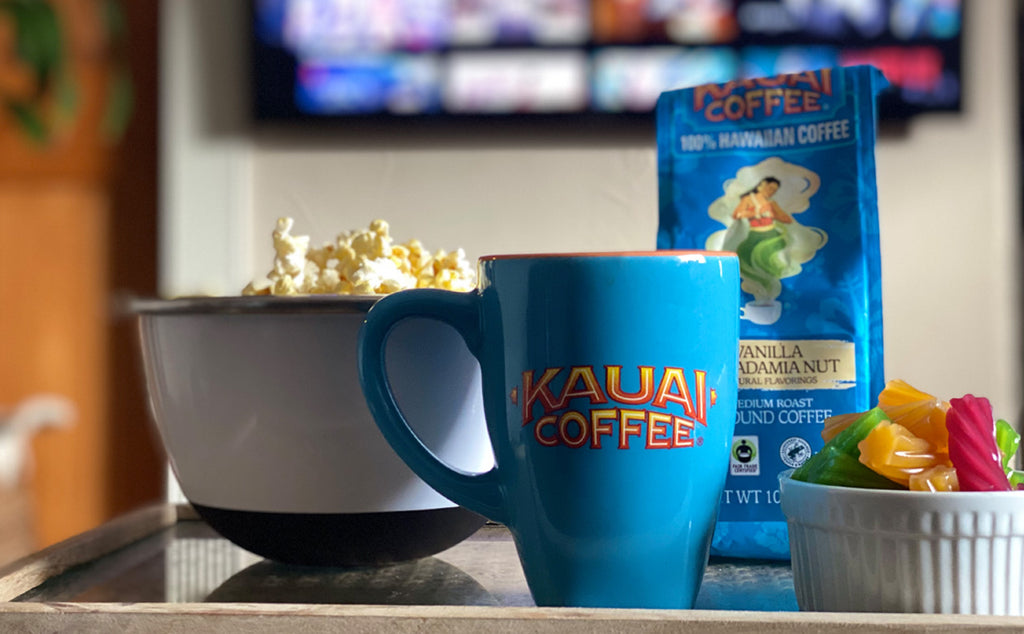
948	196
205	148
950	229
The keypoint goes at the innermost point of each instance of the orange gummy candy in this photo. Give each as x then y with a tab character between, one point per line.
937	478
891	450
921	413
926	419
898	392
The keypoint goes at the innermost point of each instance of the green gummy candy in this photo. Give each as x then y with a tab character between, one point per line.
1016	478
1007	439
841	469
845	442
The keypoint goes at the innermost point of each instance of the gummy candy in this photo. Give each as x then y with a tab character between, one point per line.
972	445
925	419
893	451
847	441
837	463
917	441
835	424
938	478
921	413
898	392
1007	439
832	466
1016	479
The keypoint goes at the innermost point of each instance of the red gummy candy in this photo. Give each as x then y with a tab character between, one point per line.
972	445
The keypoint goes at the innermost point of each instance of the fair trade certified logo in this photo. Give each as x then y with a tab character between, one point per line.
745	459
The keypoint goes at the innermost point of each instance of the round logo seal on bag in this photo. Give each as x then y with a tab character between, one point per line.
794	451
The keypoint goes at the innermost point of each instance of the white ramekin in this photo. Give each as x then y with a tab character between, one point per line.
866	550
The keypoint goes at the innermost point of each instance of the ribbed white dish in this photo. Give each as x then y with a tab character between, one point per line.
865	550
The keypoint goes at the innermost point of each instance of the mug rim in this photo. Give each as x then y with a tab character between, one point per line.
609	254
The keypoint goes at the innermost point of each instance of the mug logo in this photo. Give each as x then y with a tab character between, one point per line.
611	412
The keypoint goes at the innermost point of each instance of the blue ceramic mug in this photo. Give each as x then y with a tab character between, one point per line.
609	385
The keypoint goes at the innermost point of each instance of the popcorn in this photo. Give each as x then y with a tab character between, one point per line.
361	262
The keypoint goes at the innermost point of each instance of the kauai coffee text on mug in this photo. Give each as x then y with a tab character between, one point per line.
575	428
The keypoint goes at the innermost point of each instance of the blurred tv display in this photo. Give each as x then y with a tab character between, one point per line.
445	59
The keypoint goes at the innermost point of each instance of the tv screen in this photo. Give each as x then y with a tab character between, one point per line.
445	59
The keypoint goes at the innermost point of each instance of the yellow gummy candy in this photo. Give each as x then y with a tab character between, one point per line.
938	478
925	419
892	451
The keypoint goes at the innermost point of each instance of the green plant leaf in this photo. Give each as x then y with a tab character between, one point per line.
38	38
39	43
28	117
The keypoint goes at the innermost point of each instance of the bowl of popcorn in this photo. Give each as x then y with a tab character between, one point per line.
912	506
257	402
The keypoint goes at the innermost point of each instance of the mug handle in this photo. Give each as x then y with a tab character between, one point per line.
477	492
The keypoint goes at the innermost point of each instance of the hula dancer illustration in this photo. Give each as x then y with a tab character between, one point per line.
758	210
762	254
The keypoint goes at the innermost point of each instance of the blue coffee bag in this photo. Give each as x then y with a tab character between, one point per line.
781	170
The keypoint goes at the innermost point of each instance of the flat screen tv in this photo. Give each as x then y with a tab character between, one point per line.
604	59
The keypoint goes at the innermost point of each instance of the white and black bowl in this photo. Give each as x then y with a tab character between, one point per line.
258	405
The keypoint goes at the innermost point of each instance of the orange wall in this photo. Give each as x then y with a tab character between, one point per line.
53	287
78	217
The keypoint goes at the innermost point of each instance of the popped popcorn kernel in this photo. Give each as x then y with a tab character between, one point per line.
290	250
258	287
359	262
284	286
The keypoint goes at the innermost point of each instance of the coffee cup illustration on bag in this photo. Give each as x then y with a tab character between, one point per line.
759	209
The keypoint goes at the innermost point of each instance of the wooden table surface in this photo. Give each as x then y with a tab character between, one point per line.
140	573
